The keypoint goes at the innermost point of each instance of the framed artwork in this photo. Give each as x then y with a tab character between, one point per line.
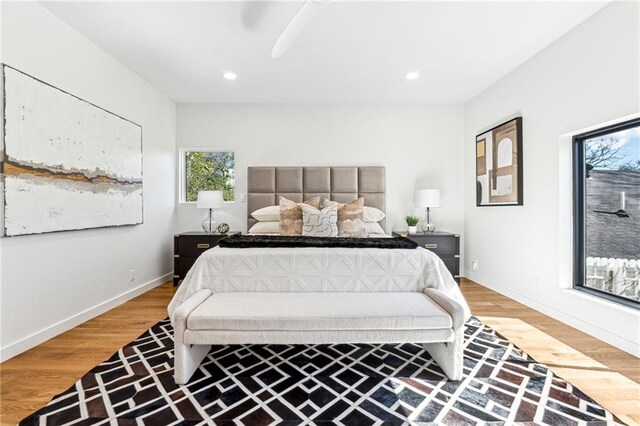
499	165
66	164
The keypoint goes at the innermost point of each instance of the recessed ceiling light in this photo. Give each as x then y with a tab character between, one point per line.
412	75
229	75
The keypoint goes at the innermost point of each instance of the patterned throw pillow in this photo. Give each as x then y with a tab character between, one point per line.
291	215
319	223
350	218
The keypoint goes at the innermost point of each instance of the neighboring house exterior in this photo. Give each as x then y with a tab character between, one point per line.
608	235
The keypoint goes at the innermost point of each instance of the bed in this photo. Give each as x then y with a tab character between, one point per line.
309	295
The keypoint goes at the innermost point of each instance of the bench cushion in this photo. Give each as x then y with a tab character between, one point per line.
318	311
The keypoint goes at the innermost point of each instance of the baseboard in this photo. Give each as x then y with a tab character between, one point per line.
592	329
43	335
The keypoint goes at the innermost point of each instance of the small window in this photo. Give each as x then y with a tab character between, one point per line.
607	212
207	171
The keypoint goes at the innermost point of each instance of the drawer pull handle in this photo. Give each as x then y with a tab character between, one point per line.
430	246
203	245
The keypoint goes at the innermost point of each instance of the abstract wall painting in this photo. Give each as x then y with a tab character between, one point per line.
66	163
499	165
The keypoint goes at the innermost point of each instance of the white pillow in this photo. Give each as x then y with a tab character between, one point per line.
373	228
319	223
371	214
272	227
267	214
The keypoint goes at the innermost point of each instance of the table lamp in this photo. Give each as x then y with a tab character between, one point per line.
210	200
427	198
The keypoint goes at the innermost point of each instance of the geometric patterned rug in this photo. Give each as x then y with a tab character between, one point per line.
349	384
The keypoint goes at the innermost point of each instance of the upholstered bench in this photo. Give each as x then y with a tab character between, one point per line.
430	318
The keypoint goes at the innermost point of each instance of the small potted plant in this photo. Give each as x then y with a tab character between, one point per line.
412	223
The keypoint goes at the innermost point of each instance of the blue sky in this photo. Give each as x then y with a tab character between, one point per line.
629	143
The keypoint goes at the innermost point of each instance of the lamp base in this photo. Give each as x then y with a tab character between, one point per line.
428	227
209	226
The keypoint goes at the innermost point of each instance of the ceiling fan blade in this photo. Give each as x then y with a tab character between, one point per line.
295	27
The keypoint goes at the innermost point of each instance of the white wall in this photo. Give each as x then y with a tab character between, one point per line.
589	76
419	145
52	282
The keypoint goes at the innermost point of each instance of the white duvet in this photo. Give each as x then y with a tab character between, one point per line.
317	270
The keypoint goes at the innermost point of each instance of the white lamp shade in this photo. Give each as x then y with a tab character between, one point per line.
427	198
210	200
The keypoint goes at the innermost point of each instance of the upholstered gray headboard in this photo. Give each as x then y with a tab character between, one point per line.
343	184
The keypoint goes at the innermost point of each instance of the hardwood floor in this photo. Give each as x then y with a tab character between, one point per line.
605	373
610	376
29	380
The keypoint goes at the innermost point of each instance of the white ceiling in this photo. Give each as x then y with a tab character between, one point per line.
351	52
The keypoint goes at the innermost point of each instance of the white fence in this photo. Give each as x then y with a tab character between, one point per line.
617	276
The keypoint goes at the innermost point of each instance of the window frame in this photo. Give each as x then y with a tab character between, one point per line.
579	211
182	171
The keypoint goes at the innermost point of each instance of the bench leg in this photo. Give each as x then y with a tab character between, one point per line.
187	357
187	360
449	355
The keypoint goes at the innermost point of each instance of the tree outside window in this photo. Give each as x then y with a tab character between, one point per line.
209	171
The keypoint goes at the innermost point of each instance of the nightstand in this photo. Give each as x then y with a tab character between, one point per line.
188	246
445	244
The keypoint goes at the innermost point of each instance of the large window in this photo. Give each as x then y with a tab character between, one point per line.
206	171
607	212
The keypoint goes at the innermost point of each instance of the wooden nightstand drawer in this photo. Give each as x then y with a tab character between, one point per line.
195	245
453	265
440	245
182	265
187	247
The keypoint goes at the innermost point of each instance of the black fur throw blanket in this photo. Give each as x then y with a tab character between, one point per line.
277	241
